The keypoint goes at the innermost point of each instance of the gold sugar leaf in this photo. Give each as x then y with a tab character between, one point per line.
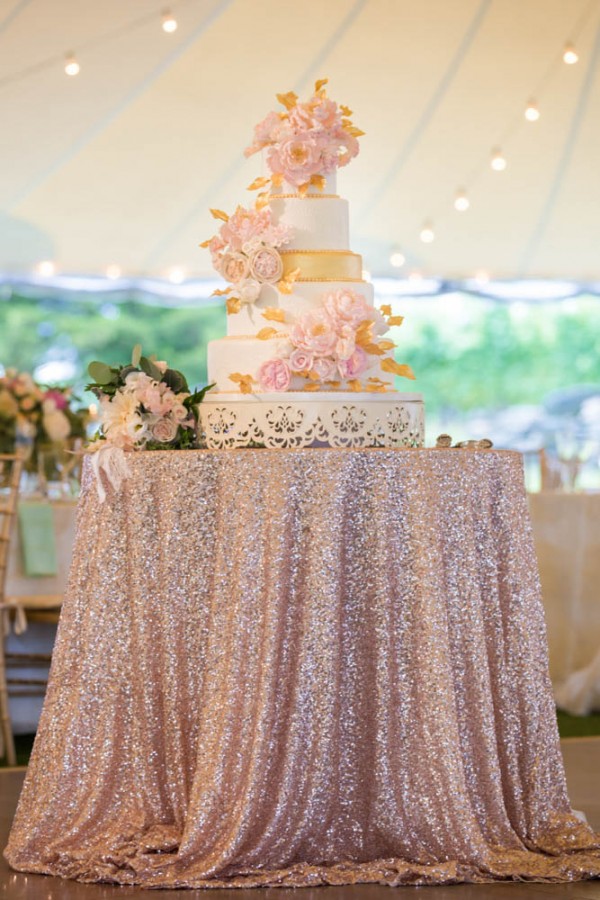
314	376
345	110
219	214
311	386
266	334
334	385
286	284
221	292
288	100
233	305
303	189
271	314
364	334
277	179
320	83
355	385
386	309
376	388
376	380
390	365
262	200
375	349
351	129
386	345
395	320
318	181
205	243
259	183
245	382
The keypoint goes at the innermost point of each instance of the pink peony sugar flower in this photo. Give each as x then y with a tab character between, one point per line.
274	375
347	307
315	333
355	365
325	368
326	113
272	129
346	342
244	225
296	158
301	361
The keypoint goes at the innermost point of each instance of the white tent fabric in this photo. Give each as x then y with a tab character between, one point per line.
119	164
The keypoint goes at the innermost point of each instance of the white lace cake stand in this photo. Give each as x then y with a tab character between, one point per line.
290	419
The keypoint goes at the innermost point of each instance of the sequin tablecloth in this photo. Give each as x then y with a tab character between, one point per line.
296	667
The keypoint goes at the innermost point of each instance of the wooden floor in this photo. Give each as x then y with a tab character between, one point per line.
582	763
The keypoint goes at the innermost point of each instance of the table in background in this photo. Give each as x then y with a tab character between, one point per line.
566	528
39	637
297	667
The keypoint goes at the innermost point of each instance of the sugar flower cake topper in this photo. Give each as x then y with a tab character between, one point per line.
305	142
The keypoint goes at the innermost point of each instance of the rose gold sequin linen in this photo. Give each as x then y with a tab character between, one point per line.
281	667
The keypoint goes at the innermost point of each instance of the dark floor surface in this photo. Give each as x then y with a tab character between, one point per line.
582	763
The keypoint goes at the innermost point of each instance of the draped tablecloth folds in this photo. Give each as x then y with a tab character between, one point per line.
302	667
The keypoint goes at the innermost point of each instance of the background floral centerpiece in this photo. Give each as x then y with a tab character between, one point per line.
38	419
145	405
305	142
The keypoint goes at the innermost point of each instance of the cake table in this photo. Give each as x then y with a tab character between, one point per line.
297	667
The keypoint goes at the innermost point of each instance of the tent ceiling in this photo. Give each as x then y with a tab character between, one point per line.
120	164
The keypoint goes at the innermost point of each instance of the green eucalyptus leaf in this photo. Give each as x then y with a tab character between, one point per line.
136	354
101	373
152	371
175	380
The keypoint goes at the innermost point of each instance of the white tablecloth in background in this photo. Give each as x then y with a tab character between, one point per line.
566	528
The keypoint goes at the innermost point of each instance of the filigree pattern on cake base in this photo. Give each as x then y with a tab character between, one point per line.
294	420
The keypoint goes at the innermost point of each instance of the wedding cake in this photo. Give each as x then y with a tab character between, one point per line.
305	361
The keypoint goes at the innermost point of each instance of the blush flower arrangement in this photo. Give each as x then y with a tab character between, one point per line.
144	405
37	417
306	141
245	253
333	344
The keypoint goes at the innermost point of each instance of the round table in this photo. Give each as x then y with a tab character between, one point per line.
298	667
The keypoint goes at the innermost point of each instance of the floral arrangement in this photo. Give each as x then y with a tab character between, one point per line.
306	141
328	345
144	405
245	253
37	416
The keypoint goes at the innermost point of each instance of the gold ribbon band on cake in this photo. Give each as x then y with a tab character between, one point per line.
323	265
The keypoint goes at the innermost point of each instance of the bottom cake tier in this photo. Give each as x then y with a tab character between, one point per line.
295	419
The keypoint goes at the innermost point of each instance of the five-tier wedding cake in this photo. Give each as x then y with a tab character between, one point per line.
305	361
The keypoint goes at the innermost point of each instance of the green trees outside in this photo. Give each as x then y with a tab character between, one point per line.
468	353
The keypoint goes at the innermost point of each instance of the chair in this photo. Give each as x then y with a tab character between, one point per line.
11	465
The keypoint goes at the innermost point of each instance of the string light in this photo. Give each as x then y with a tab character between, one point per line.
113	272
461	201
427	233
46	268
570	55
397	259
498	161
169	23
532	112
176	275
72	67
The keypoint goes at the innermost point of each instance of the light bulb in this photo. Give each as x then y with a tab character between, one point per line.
427	233
113	272
532	113
482	277
397	259
498	161
570	55
176	275
169	23
46	268
461	201
72	67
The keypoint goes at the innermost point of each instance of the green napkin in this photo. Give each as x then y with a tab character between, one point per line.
38	543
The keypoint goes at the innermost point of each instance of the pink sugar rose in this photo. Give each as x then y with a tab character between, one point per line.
348	307
274	375
346	342
296	158
315	333
325	368
301	361
266	265
234	267
355	365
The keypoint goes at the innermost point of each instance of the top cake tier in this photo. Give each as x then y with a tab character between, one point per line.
318	221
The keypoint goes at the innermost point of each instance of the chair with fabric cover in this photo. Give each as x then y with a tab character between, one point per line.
11	465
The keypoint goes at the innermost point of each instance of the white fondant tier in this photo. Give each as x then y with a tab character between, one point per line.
294	420
305	296
245	355
318	222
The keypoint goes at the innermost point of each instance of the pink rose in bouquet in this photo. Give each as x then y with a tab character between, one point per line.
315	333
165	430
274	375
